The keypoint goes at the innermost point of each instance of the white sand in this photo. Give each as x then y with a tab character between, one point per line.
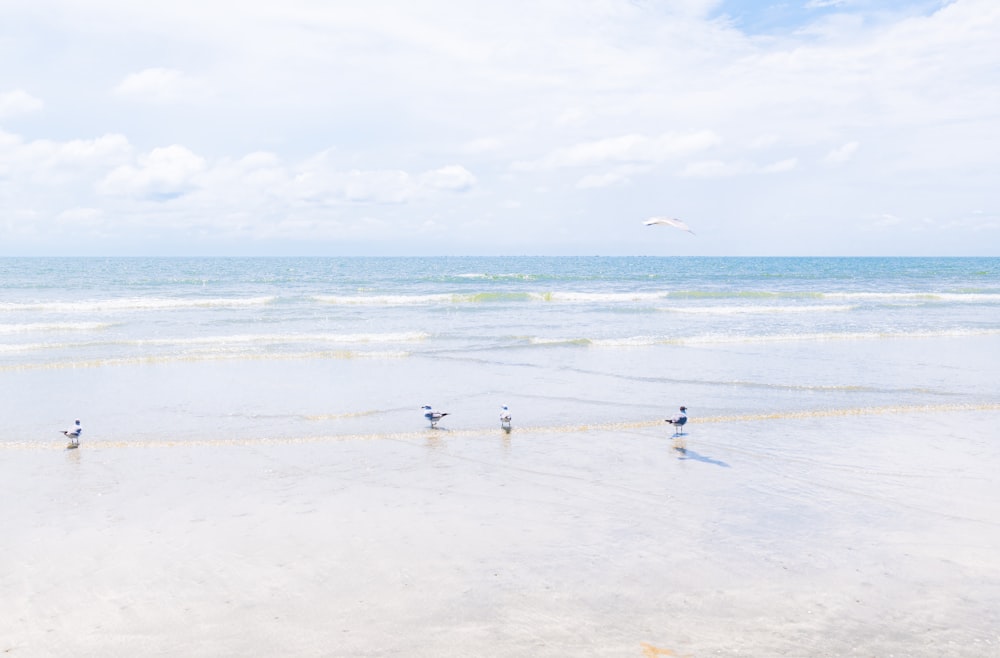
809	537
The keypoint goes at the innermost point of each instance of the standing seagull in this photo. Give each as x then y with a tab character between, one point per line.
433	416
505	418
73	434
668	221
678	420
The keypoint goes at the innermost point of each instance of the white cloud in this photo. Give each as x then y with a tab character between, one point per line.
886	220
17	102
712	169
780	166
608	179
453	178
721	169
763	141
482	145
386	186
163	173
81	216
49	160
626	148
159	85
841	154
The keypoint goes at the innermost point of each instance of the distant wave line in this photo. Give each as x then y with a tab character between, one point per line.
499	296
496	277
236	339
912	296
583	297
493	296
991	298
754	310
710	339
196	358
407	337
39	327
135	304
831	336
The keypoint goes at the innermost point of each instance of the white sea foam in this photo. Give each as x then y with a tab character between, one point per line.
632	341
12	348
209	356
597	297
831	335
537	340
271	339
568	297
973	298
134	304
42	327
757	309
733	338
495	277
385	300
230	343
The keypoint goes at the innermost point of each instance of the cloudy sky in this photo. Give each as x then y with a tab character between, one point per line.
425	127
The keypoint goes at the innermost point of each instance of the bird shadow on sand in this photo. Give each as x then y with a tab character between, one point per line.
684	453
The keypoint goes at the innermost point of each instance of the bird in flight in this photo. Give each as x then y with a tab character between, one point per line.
668	221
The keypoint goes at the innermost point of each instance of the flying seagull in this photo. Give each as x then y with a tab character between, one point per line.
73	434
433	416
668	221
678	420
505	417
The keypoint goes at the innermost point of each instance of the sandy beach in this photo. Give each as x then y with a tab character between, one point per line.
797	537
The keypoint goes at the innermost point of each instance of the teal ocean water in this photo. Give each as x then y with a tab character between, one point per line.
228	349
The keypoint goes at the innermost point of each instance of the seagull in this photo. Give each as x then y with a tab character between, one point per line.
433	416
668	221
678	420
73	434
505	417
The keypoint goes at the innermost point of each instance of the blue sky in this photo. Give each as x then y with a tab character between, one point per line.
816	127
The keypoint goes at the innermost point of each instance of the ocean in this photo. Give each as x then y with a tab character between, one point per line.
231	349
256	477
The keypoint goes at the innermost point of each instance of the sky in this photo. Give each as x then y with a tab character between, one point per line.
541	127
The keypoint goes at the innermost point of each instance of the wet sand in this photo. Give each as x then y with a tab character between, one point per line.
813	536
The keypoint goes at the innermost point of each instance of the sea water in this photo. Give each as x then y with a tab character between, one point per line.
232	349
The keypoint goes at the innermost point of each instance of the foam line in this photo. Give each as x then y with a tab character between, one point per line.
196	358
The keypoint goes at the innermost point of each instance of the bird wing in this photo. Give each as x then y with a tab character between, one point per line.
668	221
